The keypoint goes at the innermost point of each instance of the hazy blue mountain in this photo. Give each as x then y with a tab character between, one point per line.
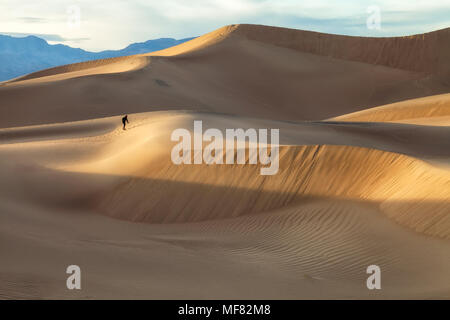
19	56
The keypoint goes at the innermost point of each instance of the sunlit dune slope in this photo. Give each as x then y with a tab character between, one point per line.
426	52
129	175
429	110
408	190
103	66
347	195
249	70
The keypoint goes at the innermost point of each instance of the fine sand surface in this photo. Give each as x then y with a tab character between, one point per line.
364	172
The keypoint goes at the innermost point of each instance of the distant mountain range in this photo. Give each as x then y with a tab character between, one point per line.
19	56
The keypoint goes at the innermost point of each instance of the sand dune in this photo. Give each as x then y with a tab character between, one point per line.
330	212
434	108
364	181
103	66
319	77
206	192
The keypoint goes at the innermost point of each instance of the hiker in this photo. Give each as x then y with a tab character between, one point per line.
125	121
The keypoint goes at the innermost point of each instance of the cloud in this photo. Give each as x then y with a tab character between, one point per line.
32	19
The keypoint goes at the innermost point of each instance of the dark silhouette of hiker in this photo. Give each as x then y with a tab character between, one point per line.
125	121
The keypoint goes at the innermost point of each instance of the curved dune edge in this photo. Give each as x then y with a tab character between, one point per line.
125	63
308	232
407	190
93	67
198	43
58	131
425	52
242	69
421	109
129	175
421	52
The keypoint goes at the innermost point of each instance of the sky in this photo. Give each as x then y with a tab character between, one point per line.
113	24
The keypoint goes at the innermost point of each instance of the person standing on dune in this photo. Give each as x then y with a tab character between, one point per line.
125	121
